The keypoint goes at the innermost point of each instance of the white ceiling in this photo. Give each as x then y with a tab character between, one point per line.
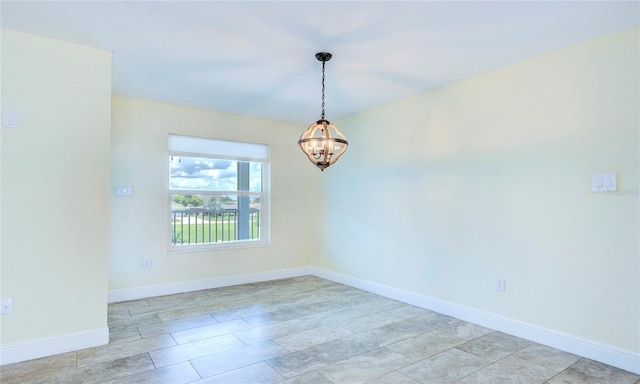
257	58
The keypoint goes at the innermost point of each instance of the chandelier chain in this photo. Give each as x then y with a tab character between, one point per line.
322	116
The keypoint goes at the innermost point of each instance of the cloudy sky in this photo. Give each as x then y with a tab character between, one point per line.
211	174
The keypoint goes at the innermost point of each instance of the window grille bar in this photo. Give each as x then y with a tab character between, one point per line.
189	228
210	224
174	233
181	227
202	214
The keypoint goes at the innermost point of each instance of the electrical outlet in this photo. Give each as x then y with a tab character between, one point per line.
6	306
147	264
500	284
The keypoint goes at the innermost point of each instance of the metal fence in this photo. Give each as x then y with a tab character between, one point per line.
200	226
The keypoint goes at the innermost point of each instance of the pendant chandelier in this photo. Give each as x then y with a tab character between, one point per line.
322	142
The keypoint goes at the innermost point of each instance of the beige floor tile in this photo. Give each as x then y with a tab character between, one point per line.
379	304
464	329
244	311
228	360
419	324
310	359
378	337
425	345
177	299
341	316
280	329
207	331
260	373
306	339
161	306
312	377
593	372
182	313
371	321
510	370
124	335
364	367
173	326
99	373
319	301
269	318
511	342
409	311
133	322
184	352
393	378
486	349
29	370
547	357
174	374
436	320
117	351
233	292
117	314
445	367
129	304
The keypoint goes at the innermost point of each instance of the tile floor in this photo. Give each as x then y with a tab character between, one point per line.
303	330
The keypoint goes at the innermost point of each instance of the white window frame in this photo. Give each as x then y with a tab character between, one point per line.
191	146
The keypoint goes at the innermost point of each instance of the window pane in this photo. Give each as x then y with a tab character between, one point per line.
202	219
201	173
255	177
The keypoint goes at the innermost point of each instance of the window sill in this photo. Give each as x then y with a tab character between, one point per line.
215	247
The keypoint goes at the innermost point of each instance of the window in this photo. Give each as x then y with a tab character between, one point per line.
218	193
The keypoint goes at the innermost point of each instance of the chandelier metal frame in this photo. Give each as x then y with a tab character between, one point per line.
322	142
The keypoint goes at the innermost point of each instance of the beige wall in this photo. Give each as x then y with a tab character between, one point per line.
442	192
55	179
138	226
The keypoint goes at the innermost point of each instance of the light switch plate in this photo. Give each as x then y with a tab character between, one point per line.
603	182
9	119
123	191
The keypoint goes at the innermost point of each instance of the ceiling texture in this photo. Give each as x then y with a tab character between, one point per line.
258	58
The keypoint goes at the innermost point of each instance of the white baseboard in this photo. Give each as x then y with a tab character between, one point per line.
627	360
33	349
196	285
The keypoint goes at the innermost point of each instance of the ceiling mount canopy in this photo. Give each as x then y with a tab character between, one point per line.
322	142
